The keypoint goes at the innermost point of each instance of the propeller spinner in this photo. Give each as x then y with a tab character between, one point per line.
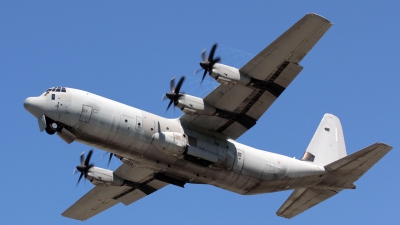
174	95
208	63
84	166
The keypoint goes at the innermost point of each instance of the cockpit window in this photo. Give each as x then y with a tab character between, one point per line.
57	89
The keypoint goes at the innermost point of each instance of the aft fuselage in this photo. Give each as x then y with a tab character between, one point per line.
130	134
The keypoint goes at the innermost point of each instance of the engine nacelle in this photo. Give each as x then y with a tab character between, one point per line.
194	105
103	177
171	143
225	75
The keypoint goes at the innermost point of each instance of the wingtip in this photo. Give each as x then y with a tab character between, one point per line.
318	15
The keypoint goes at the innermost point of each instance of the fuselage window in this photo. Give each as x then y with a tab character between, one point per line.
53	96
63	90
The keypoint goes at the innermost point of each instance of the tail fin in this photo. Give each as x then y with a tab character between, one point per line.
327	144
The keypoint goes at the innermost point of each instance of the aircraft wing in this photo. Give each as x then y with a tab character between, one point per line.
100	198
341	175
277	64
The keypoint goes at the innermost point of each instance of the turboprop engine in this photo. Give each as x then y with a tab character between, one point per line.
194	105
96	175
225	75
100	176
187	103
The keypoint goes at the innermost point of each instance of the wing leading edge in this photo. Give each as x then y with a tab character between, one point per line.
239	106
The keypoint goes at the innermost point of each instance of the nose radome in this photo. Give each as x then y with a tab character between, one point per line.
35	105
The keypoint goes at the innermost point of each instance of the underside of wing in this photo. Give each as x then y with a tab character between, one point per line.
239	106
292	46
98	199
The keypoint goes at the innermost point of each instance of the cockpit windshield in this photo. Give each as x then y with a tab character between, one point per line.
56	89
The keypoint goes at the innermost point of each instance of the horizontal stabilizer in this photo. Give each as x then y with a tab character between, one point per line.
341	175
345	171
302	199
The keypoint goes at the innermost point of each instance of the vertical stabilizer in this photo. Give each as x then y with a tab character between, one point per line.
327	144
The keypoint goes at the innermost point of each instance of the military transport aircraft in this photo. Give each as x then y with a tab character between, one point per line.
200	147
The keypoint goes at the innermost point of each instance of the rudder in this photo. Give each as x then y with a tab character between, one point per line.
327	144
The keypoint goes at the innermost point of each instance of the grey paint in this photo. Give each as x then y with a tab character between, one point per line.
156	144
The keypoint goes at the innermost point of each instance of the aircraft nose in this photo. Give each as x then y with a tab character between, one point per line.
35	105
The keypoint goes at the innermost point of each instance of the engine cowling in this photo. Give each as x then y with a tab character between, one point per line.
195	106
100	176
172	143
225	75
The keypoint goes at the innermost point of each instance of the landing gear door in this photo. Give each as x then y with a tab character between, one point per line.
238	165
86	113
42	123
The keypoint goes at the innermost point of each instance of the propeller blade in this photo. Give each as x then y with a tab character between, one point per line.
82	158
216	60
196	71
178	87
109	159
88	157
203	55
172	84
80	177
211	56
164	97
170	103
204	75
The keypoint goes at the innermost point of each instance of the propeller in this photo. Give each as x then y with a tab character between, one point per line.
84	166
174	95
109	159
208	63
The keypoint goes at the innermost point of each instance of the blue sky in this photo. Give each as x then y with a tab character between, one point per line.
128	51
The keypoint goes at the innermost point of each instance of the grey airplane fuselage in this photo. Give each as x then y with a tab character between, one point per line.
133	136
